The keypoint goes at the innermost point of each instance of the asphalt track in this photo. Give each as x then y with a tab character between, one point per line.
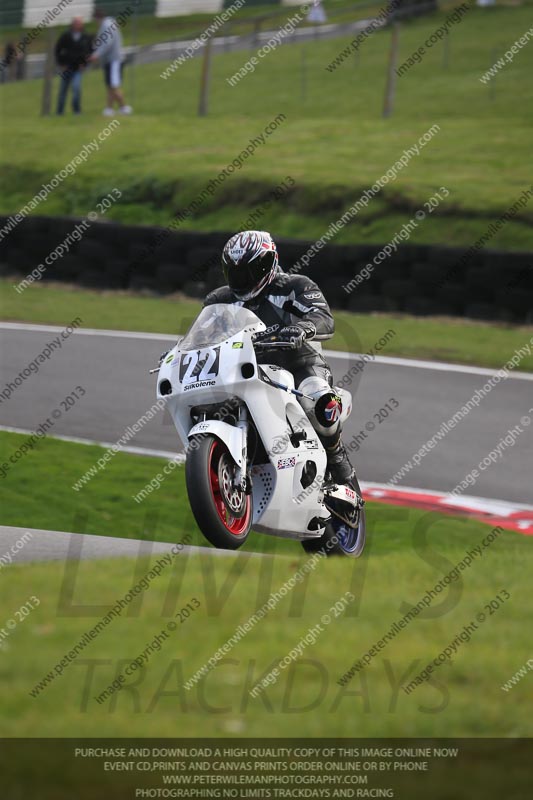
113	367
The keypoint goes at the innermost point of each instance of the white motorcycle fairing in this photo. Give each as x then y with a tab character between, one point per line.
215	363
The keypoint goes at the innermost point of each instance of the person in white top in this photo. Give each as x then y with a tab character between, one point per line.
108	51
317	13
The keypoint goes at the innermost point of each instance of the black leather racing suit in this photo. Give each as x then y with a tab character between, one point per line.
287	300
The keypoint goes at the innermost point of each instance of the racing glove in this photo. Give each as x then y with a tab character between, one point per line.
295	335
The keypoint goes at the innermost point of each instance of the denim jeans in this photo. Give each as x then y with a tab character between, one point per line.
72	79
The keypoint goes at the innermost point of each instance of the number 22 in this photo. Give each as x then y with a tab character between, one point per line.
190	362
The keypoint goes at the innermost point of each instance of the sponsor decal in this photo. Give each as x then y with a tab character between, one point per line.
237	345
287	463
198	385
311	444
313	295
169	358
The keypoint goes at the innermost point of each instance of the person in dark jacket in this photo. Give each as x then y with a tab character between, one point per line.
294	310
7	66
72	52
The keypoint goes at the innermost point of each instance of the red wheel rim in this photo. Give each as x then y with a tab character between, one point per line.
236	526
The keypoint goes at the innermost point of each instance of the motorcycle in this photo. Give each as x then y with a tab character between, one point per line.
253	459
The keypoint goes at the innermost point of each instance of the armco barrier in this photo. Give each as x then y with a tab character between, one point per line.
417	279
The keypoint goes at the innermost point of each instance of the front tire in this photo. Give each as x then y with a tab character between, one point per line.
224	515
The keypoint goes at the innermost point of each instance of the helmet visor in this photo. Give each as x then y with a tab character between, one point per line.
244	278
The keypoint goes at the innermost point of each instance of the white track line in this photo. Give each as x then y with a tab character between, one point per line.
439	366
22	326
137	451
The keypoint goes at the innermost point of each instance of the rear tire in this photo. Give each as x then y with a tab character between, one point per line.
338	538
207	460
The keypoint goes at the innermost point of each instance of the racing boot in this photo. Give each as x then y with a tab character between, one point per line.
342	474
339	465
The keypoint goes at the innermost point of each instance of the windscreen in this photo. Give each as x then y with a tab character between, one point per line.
216	323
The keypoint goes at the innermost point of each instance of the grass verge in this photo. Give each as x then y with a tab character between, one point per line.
408	553
306	700
105	505
333	141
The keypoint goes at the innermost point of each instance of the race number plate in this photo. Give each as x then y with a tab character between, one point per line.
199	365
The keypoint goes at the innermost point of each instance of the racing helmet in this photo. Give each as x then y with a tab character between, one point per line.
249	263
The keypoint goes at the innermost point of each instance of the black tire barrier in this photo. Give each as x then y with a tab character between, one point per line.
481	311
399	290
93	255
171	277
415	279
196	289
371	302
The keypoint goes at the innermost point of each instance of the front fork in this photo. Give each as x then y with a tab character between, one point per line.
241	472
240	480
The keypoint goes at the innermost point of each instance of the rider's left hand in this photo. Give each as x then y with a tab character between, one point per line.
295	335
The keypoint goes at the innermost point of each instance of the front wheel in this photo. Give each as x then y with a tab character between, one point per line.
223	513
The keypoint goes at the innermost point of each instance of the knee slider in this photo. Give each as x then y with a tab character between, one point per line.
328	409
322	405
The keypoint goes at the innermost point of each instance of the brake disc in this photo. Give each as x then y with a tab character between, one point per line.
234	498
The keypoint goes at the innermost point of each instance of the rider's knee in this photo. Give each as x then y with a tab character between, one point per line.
322	405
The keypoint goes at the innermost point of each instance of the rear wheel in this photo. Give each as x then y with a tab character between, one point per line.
340	539
223	513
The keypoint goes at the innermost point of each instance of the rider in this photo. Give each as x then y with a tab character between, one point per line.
294	310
